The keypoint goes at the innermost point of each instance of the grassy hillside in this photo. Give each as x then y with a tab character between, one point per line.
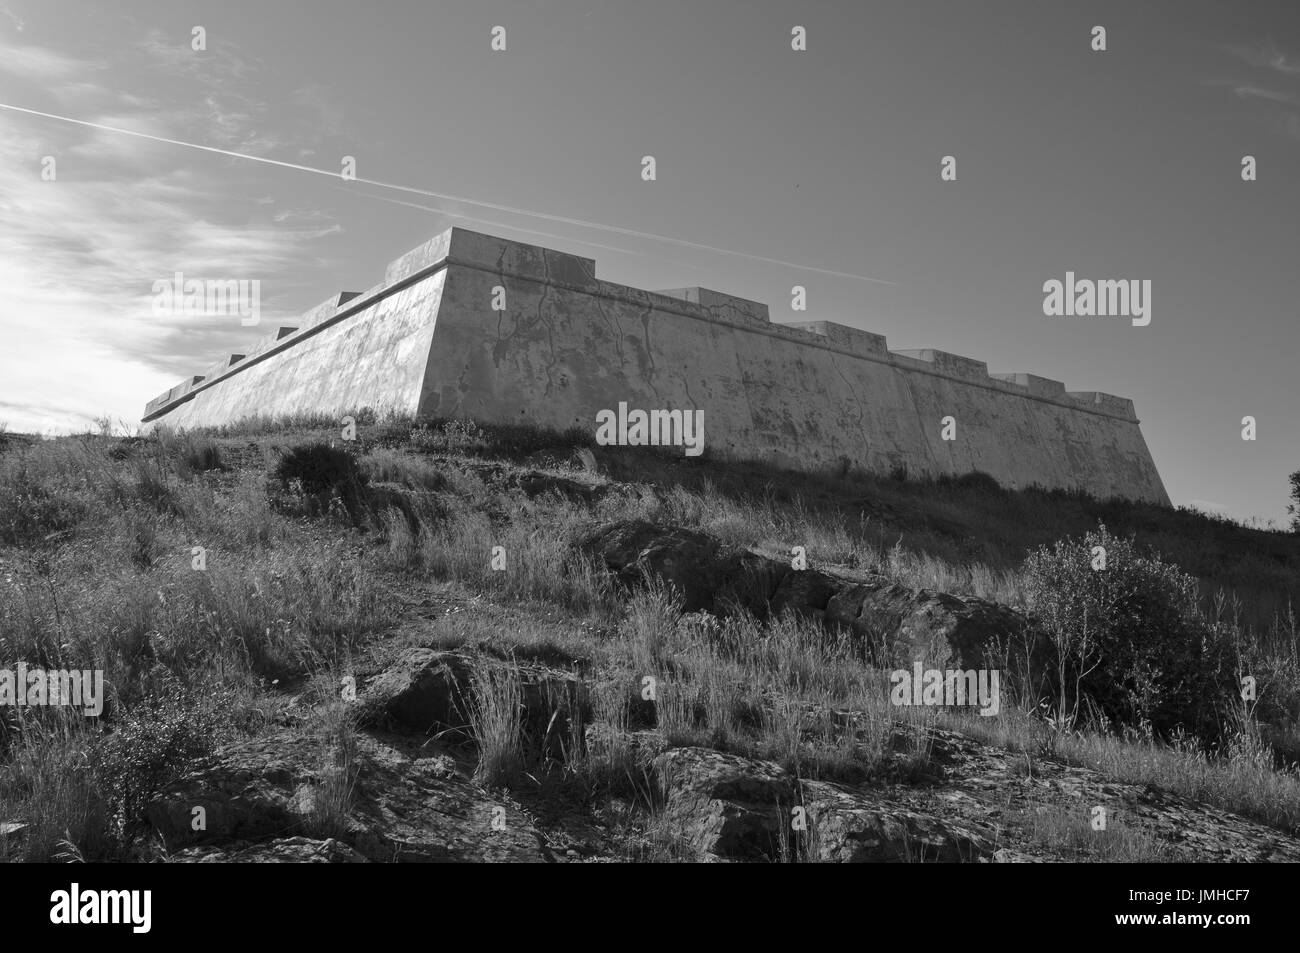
224	580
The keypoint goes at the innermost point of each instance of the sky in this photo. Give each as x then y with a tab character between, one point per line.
1122	163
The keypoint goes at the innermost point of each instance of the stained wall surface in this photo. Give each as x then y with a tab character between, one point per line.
567	345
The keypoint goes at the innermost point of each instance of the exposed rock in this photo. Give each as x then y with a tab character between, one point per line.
698	566
942	630
534	483
907	624
722	806
401	809
422	690
288	850
848	826
727	807
1005	855
427	691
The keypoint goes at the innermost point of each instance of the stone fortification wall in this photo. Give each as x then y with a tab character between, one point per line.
430	340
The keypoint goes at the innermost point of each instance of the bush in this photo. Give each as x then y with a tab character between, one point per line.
974	480
1130	641
199	455
324	472
154	743
35	505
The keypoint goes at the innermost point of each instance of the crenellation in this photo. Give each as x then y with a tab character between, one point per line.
1042	386
326	309
947	363
1106	402
722	306
854	340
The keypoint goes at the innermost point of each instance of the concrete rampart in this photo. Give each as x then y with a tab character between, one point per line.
430	340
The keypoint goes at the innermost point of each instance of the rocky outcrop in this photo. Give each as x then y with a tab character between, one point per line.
286	850
724	807
898	623
425	691
943	630
399	808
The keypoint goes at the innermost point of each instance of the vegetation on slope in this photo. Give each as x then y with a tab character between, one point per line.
216	578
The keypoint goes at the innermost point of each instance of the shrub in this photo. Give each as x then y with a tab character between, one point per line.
199	455
1293	508
1130	641
153	744
975	480
324	472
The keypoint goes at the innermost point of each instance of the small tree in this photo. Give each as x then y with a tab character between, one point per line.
1130	639
1293	510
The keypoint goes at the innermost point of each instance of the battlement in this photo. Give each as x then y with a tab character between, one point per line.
721	306
509	259
850	339
326	309
1042	386
952	364
1121	406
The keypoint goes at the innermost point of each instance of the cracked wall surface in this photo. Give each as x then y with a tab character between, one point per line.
568	345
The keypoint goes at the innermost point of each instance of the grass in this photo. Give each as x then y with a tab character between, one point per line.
101	539
496	708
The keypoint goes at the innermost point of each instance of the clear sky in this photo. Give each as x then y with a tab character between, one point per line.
1117	164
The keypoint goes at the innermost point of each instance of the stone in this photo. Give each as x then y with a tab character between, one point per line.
261	791
899	623
286	850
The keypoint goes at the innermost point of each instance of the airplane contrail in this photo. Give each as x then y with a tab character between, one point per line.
559	219
521	229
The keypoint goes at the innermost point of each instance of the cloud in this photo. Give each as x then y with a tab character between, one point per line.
1267	57
19	23
39	65
79	254
1256	92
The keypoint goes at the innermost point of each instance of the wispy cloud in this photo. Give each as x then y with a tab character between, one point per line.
18	22
79	254
1256	92
1275	83
1267	57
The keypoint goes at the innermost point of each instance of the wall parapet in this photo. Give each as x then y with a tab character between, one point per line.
953	365
853	340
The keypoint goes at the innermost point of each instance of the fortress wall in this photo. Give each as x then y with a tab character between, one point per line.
374	357
807	395
804	396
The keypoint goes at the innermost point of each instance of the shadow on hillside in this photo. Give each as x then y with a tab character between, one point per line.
962	520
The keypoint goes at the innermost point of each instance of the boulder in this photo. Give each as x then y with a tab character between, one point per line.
904	624
423	690
941	630
700	568
724	807
426	691
849	826
262	791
